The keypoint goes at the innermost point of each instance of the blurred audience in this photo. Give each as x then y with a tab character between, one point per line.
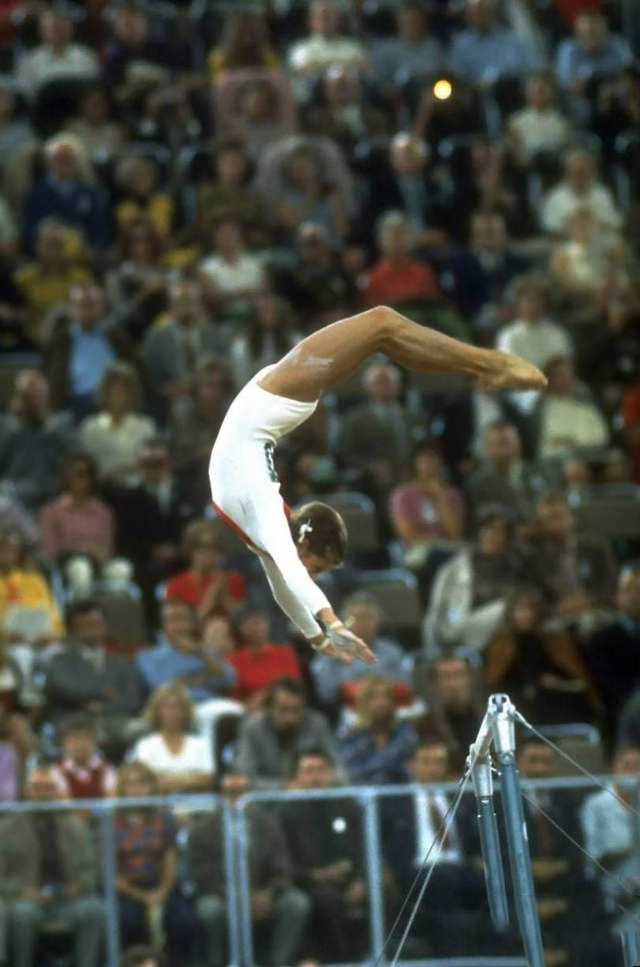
259	662
376	749
206	585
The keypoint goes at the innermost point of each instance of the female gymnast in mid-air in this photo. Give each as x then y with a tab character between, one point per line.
294	548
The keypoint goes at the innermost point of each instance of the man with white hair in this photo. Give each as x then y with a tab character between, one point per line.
65	192
57	57
396	276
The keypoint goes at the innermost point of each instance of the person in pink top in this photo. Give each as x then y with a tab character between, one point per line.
427	507
78	522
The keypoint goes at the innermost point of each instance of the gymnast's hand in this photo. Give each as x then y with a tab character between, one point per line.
339	642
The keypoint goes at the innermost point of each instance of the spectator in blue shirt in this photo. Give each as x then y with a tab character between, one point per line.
378	748
592	52
181	657
365	617
413	53
65	193
84	341
486	50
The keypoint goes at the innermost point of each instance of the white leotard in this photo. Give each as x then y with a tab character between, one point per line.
245	487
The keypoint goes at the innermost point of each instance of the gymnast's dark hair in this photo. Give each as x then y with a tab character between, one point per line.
322	529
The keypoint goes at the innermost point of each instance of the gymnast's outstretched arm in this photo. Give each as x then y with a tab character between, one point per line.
331	355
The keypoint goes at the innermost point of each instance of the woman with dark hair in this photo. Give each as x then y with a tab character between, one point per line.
269	335
245	44
231	275
539	667
428	507
149	903
137	286
78	522
113	436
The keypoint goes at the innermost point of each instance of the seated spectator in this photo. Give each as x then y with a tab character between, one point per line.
344	113
46	282
49	872
172	346
33	440
139	195
532	334
378	435
151	513
468	596
245	43
409	827
325	839
56	57
580	265
268	336
334	681
612	651
94	125
486	51
575	571
82	343
325	44
579	189
137	285
608	824
271	740
397	277
276	904
113	436
567	421
542	670
256	107
180	761
195	423
538	126
65	192
180	656
28	611
570	908
85	678
456	706
78	521
231	275
229	195
482	271
83	773
428	508
591	53
257	661
412	52
308	195
149	902
377	748
502	476
205	585
317	284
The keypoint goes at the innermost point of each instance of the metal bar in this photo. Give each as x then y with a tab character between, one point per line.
490	844
108	843
244	891
374	866
232	885
630	948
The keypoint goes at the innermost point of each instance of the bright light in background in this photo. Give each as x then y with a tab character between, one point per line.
442	90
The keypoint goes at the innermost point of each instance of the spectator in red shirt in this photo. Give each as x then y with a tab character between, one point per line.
257	661
205	584
83	773
396	277
631	415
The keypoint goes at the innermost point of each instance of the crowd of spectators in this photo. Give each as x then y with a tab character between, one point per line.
186	190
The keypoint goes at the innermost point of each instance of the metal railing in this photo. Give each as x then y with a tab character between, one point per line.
236	844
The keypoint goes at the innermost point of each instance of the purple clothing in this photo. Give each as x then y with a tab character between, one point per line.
8	773
409	501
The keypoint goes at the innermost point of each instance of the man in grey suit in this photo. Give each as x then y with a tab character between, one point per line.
272	739
48	871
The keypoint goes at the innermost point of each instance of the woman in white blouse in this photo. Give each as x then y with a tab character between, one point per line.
181	761
231	275
115	435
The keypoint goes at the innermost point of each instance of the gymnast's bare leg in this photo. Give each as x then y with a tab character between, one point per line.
331	355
